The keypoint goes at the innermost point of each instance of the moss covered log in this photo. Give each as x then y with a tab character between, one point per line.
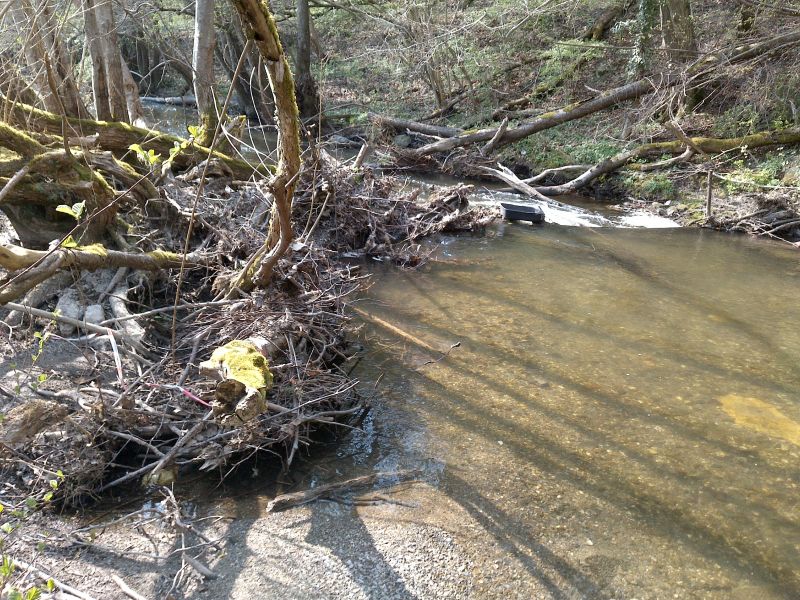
30	199
118	137
685	148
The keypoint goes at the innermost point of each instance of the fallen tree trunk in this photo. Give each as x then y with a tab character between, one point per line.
190	101
38	265
30	196
118	137
610	98
415	126
685	150
574	111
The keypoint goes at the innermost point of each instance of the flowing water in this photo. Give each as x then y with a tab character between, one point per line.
619	419
622	415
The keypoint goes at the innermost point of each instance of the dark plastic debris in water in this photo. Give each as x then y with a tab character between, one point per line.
521	212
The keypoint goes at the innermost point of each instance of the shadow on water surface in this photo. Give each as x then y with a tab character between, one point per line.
689	474
553	401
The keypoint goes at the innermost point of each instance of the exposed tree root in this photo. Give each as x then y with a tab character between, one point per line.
118	137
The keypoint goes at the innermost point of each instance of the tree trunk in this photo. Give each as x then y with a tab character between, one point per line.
110	58
568	113
47	58
203	66
307	97
132	98
102	109
677	32
416	126
260	27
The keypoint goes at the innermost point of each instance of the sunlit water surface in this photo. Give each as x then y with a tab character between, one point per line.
622	415
621	418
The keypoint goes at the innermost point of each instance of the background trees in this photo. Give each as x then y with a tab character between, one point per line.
493	79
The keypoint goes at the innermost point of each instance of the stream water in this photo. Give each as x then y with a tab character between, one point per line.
620	418
622	412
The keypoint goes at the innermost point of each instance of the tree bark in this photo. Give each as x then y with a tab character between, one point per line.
102	110
110	58
260	27
203	67
307	96
132	98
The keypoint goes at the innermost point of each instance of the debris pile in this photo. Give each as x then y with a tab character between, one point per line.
177	377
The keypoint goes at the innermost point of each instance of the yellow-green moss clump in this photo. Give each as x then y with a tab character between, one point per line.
242	361
97	249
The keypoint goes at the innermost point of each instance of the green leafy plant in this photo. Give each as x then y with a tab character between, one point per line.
75	211
148	158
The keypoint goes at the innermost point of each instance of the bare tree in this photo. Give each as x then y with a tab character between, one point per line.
307	96
48	59
203	66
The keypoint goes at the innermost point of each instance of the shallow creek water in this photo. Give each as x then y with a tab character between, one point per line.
620	419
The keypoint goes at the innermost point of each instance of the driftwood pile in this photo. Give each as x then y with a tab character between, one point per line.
146	413
363	215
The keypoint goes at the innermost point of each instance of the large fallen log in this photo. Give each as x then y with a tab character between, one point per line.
31	267
415	126
32	189
189	101
631	91
571	112
118	137
683	149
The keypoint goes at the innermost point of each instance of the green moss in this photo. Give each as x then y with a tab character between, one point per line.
243	362
96	249
655	186
18	141
164	256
